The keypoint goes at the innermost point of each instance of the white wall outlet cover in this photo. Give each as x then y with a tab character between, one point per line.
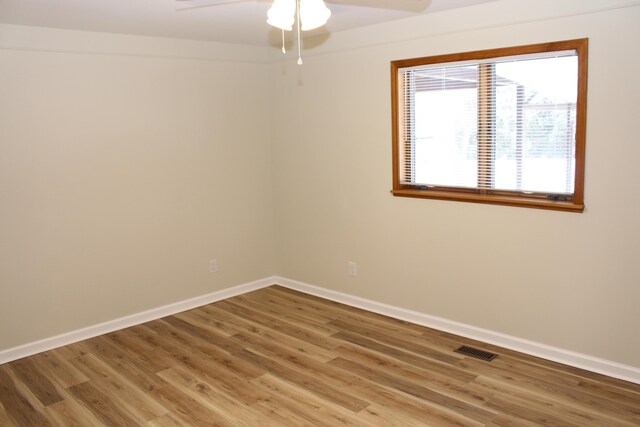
353	269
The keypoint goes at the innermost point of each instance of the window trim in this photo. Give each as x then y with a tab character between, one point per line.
509	198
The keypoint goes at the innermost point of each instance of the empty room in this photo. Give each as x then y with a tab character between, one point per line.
321	213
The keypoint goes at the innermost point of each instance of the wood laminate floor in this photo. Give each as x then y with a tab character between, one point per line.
279	357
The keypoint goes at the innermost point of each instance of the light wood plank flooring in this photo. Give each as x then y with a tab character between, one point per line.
276	357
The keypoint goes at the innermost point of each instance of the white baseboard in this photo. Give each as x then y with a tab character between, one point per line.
593	364
128	321
589	363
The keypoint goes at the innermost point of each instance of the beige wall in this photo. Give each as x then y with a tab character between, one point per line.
120	177
562	279
126	163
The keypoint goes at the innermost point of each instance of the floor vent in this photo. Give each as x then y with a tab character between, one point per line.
477	353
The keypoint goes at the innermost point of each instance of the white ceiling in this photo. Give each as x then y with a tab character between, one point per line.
243	22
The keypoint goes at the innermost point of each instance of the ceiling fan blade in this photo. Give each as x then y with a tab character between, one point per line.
402	5
184	5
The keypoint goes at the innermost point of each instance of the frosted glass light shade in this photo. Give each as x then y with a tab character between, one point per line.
313	14
282	14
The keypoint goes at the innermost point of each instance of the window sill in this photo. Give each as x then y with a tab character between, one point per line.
522	202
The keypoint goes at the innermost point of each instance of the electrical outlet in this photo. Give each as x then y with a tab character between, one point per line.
213	265
353	269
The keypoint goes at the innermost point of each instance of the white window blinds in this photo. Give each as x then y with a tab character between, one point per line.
507	124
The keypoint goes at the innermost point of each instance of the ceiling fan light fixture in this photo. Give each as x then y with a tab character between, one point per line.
307	14
282	14
313	14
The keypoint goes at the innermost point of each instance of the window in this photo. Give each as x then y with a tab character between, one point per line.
503	126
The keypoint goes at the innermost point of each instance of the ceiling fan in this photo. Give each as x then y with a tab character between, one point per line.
402	5
306	14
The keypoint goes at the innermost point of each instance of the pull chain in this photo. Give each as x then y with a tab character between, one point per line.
283	49
299	44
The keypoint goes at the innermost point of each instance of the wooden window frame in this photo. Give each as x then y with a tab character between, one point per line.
573	203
